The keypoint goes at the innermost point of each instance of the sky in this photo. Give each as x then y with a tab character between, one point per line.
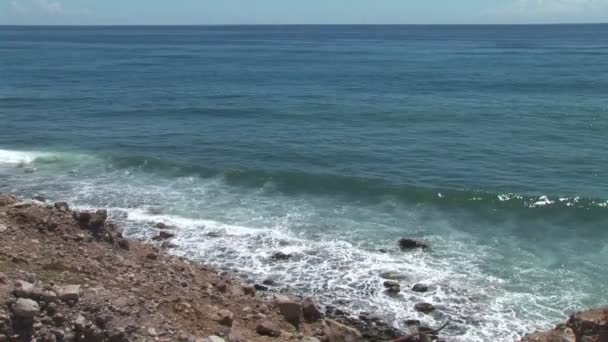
218	12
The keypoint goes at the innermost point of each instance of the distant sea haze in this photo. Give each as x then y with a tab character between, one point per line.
330	143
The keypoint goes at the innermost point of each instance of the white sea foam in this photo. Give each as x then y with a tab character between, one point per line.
20	157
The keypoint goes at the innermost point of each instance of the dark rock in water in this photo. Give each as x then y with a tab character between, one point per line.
411	322
420	288
392	286
167	245
98	219
407	244
163	236
270	282
161	225
260	287
424	307
383	250
281	256
214	234
62	206
393	275
39	198
311	311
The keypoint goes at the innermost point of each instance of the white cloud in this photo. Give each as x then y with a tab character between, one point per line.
44	7
552	9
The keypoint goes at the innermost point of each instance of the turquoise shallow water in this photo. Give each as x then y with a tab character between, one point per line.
331	142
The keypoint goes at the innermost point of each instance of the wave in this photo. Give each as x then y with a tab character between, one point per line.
363	189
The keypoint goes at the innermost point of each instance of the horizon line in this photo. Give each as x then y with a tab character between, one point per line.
292	24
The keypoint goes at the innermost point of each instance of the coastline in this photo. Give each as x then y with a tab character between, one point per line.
126	290
67	275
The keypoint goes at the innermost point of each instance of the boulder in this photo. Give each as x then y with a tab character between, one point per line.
270	282
260	287
280	256
267	328
39	198
392	286
408	244
68	292
420	288
25	308
584	326
62	206
249	290
424	307
310	311
290	309
23	289
3	278
162	235
338	332
98	219
6	200
214	338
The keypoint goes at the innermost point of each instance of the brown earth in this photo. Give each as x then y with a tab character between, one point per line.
71	276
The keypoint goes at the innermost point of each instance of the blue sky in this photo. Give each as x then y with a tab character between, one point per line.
301	11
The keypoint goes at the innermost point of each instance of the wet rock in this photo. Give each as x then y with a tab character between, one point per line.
592	324
267	328
424	307
310	311
393	276
560	334
39	198
280	256
68	292
161	225
338	332
408	244
260	287
270	282
392	286
62	206
420	288
290	309
162	235
98	220
25	308
167	245
411	322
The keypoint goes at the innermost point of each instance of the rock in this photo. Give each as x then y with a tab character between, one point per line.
281	256
260	287
39	198
3	228
23	289
392	286
98	219
79	322
593	324
25	308
269	282
249	290
3	278
310	339
6	200
163	236
559	334
82	217
337	332
223	317
393	276
152	256
310	311
267	328
221	286
407	244
167	245
62	206
214	338
290	309
123	243
68	292
420	288
411	322
161	225
424	307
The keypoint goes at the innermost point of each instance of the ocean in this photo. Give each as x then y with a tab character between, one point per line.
330	143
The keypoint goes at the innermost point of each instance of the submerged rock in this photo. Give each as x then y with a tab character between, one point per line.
281	256
392	286
424	307
162	235
420	288
393	275
407	244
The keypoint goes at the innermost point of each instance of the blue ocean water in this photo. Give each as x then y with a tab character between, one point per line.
330	143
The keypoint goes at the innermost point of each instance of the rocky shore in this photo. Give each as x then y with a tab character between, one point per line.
68	275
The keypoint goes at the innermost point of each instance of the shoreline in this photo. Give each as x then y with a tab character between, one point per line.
46	247
130	290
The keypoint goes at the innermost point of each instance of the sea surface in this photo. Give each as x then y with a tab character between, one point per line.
331	143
